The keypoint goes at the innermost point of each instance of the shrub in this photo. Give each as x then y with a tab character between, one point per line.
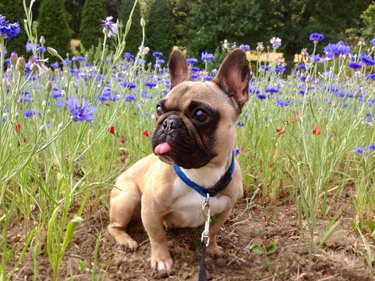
53	25
93	12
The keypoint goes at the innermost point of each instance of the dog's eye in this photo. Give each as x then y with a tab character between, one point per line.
200	115
159	109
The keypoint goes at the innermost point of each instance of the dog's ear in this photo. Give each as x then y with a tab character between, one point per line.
234	75
178	68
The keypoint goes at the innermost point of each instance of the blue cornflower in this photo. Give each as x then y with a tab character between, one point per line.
194	69
29	113
157	54
150	84
367	59
8	30
192	61
237	151
301	67
130	98
194	76
283	103
336	49
245	47
316	37
372	146
240	124
80	111
41	50
280	69
371	76
207	57
261	96
372	41
358	150
160	61
302	92
354	65
60	102
315	58
128	55
54	65
208	78
129	85
369	117
271	90
79	58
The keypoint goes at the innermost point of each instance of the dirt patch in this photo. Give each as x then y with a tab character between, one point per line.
339	259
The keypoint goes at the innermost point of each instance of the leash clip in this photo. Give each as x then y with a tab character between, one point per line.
205	238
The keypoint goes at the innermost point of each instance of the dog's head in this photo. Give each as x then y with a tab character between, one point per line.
196	120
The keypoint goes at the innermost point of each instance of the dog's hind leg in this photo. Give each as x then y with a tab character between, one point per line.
125	198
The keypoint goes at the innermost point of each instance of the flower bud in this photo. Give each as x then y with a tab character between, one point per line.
13	58
21	65
42	40
49	86
34	67
143	22
52	51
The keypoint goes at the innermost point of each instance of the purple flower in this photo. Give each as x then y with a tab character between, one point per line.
372	147
261	96
78	58
316	37
128	55
372	41
367	59
301	67
157	54
7	29
371	76
271	90
240	124
80	111
109	27
358	150
237	151
29	113
207	57
337	49
280	69
194	69
129	85
150	84
354	65
192	61
283	103
245	47
130	98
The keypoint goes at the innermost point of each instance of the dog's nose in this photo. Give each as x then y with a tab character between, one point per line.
170	123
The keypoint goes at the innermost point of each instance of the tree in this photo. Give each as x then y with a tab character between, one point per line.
14	12
368	19
93	12
134	37
159	27
53	25
74	8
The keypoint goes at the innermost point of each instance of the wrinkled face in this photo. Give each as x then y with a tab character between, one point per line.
196	124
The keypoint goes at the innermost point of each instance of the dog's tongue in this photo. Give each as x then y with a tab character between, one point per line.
162	148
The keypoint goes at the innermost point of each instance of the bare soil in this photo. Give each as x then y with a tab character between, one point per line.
261	227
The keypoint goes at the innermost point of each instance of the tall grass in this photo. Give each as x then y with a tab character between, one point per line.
305	136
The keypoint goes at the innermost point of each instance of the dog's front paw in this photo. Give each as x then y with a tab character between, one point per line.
129	246
215	251
162	262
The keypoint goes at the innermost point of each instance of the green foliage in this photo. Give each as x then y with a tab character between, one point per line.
368	19
134	37
13	10
53	25
74	7
159	27
93	12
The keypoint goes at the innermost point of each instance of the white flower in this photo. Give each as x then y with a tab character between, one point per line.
276	42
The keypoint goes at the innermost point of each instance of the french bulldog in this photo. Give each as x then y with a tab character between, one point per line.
195	130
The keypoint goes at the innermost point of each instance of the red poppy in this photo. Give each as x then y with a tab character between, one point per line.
112	130
146	133
280	131
123	140
18	127
316	130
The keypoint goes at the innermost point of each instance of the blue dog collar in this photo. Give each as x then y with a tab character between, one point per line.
212	191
